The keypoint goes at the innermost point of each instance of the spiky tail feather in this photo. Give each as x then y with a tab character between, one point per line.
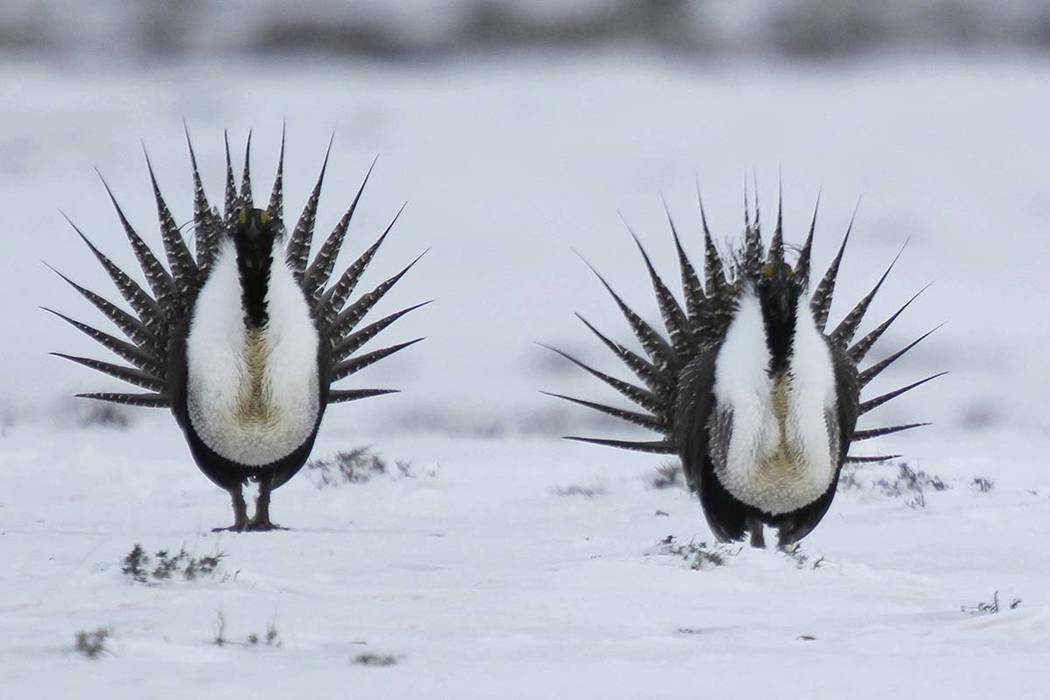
173	289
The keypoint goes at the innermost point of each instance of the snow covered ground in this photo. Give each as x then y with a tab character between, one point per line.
511	563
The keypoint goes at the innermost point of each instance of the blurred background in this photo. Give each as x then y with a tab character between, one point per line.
522	131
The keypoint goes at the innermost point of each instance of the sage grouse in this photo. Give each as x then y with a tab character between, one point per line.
749	389
243	339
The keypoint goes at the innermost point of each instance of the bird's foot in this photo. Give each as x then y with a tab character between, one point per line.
240	524
262	525
240	513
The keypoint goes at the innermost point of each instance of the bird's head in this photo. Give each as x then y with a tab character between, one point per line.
254	232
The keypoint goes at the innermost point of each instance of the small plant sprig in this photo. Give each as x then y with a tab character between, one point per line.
801	559
356	466
991	607
92	644
982	484
272	638
700	555
912	485
379	660
578	490
909	484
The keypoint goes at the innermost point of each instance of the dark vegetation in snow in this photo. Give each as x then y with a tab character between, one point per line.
991	607
911	485
97	414
803	560
356	466
908	483
162	566
370	659
982	484
578	490
92	644
667	476
271	638
700	555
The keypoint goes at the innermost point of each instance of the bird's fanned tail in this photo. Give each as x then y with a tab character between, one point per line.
172	290
700	324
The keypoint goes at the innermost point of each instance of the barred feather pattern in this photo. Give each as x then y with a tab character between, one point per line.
700	324
162	305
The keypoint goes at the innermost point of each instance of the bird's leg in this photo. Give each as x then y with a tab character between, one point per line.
787	538
261	521
240	512
754	525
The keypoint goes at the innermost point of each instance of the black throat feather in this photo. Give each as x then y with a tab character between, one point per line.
254	239
779	315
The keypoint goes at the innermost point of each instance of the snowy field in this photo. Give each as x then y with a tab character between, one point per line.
506	562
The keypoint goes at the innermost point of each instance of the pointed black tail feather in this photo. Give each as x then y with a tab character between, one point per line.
349	317
247	200
820	302
675	321
714	270
658	349
231	203
276	205
143	304
127	374
332	301
128	324
650	374
298	251
353	342
643	419
776	246
874	403
751	262
320	269
145	400
344	395
356	364
691	286
860	349
643	397
870	373
123	349
802	265
860	435
180	262
664	447
206	228
158	278
844	332
850	459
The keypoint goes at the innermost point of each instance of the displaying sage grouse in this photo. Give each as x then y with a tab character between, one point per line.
758	400
243	339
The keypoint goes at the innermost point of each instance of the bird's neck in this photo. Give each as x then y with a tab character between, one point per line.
254	267
780	334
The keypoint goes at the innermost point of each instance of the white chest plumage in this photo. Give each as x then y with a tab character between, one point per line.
252	395
779	455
